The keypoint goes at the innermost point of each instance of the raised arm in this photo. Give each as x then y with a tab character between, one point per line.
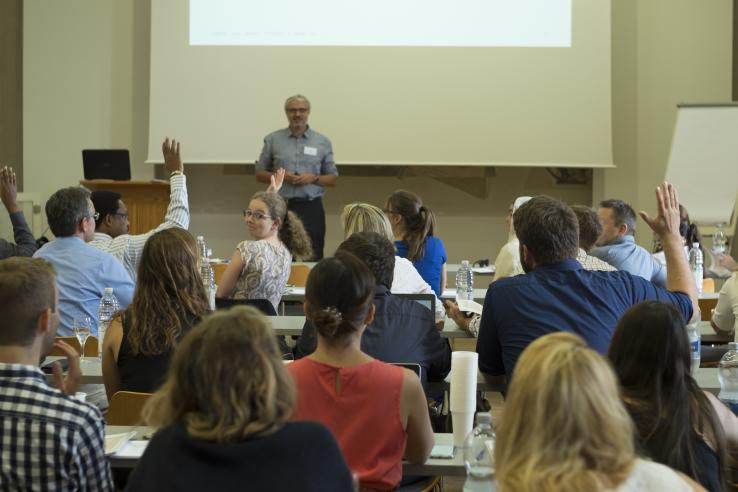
25	242
666	226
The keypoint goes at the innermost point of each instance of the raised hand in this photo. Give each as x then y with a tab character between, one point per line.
9	189
666	222
67	384
172	158
277	180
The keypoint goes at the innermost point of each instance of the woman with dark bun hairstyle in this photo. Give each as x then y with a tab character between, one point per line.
413	226
377	411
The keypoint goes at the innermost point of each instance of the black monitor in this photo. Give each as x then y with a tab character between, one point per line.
107	164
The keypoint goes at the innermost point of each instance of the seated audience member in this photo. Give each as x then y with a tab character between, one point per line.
590	228
362	217
565	428
377	411
111	227
413	227
557	294
402	330
677	423
616	245
259	269
725	315
507	263
51	441
223	413
169	300
25	244
82	272
689	232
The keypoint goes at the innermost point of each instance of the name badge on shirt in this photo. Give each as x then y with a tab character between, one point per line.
310	151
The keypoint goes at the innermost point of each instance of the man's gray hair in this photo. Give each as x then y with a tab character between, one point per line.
296	97
65	209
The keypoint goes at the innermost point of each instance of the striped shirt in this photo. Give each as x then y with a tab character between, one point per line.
127	248
48	441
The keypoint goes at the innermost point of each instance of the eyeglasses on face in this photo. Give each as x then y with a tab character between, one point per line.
297	110
123	216
256	215
93	216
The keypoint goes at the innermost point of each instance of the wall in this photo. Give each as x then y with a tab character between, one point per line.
86	66
664	52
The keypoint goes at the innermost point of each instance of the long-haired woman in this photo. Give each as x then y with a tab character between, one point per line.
677	423
377	411
259	269
223	416
363	217
564	427
413	226
169	300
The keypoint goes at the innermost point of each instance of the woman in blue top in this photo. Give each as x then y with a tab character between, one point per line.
413	225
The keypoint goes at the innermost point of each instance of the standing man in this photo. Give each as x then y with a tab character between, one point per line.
307	158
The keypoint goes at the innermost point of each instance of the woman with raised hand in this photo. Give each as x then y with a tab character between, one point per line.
565	429
413	227
363	217
377	411
259	269
223	415
169	299
677	423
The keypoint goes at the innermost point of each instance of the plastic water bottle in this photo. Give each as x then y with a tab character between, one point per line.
464	282
728	377
695	344
208	278
479	452
202	248
106	310
718	240
695	264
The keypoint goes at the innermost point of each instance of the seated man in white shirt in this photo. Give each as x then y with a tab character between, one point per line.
111	227
725	316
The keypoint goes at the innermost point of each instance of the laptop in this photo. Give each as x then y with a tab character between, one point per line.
107	164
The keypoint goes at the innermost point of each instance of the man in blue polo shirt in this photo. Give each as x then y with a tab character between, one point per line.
557	294
307	158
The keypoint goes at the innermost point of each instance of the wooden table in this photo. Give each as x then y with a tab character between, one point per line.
432	467
297	294
292	326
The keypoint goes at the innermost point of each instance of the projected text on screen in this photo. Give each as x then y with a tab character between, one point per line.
482	23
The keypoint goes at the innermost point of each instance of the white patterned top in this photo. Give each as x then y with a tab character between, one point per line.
266	268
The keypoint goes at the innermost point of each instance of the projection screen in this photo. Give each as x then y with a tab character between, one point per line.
475	82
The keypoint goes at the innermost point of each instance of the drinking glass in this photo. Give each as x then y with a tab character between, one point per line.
82	326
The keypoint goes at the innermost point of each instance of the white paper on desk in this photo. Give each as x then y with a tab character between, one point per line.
132	449
469	306
114	442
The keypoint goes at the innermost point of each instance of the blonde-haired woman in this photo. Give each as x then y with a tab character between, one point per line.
223	413
565	428
363	217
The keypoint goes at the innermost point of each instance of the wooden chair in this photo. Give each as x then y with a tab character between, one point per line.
299	275
430	484
706	307
125	408
91	349
708	285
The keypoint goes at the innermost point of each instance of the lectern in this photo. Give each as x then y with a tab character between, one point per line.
147	201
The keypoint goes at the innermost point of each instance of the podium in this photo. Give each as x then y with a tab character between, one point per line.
147	201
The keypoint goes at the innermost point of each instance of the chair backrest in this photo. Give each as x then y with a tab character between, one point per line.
262	305
91	349
125	408
218	270
427	300
708	285
299	275
413	366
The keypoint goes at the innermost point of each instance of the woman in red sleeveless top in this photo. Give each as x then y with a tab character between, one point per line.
377	411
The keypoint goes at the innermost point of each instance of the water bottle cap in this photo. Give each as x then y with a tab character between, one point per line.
484	418
696	245
200	238
108	290
465	263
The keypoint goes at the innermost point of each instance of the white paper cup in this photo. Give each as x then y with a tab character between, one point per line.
81	396
463	423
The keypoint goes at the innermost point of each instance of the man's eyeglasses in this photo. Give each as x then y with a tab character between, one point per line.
94	216
121	215
256	215
297	110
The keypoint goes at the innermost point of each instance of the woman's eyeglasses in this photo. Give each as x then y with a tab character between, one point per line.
256	215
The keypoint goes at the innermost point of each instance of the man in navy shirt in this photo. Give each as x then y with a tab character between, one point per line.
557	294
